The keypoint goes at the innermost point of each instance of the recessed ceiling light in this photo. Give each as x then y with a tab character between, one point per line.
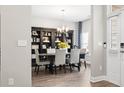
63	10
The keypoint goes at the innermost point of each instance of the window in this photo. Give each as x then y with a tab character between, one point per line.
115	31
86	31
85	40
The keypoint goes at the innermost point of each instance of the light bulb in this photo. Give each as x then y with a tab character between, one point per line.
63	28
58	29
66	29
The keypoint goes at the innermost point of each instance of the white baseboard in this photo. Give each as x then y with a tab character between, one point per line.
97	79
116	83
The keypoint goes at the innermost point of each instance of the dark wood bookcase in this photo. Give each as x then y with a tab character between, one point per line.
44	38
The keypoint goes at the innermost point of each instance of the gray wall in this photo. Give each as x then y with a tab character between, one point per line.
98	66
16	61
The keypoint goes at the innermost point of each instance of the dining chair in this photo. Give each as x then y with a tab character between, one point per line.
39	62
83	57
88	57
60	57
50	51
74	59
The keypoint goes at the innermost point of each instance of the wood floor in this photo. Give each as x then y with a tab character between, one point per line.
74	79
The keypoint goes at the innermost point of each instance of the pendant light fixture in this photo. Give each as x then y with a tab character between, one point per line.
63	28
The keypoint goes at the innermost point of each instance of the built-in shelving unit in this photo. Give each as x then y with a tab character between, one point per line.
44	38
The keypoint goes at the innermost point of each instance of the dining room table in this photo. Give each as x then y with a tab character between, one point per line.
51	56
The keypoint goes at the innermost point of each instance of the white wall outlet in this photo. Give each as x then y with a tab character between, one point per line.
100	67
10	81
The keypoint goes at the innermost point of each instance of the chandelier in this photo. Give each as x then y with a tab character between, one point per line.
63	28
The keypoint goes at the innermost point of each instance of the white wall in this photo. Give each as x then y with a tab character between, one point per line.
15	61
0	45
54	23
98	66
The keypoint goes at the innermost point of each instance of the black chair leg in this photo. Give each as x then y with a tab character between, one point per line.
78	66
51	68
80	63
64	67
46	67
70	68
52	71
60	67
85	64
38	69
35	69
55	70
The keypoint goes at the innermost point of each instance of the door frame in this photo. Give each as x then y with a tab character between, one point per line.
109	16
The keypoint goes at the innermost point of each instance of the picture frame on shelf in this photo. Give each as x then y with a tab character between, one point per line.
38	40
34	33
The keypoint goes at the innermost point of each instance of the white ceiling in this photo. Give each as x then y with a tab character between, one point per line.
71	13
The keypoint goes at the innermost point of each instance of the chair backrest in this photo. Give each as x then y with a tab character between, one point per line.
50	51
60	57
87	57
37	56
83	51
75	55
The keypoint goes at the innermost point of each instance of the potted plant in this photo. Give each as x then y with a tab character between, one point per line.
63	45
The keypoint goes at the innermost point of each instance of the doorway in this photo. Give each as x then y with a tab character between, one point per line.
114	47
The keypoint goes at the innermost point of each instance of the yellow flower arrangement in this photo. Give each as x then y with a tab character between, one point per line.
63	45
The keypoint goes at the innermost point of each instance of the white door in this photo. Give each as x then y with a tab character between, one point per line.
0	49
122	68
122	49
113	49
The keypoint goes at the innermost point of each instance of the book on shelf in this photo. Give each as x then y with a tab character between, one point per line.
44	46
45	39
49	34
35	46
38	40
34	39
